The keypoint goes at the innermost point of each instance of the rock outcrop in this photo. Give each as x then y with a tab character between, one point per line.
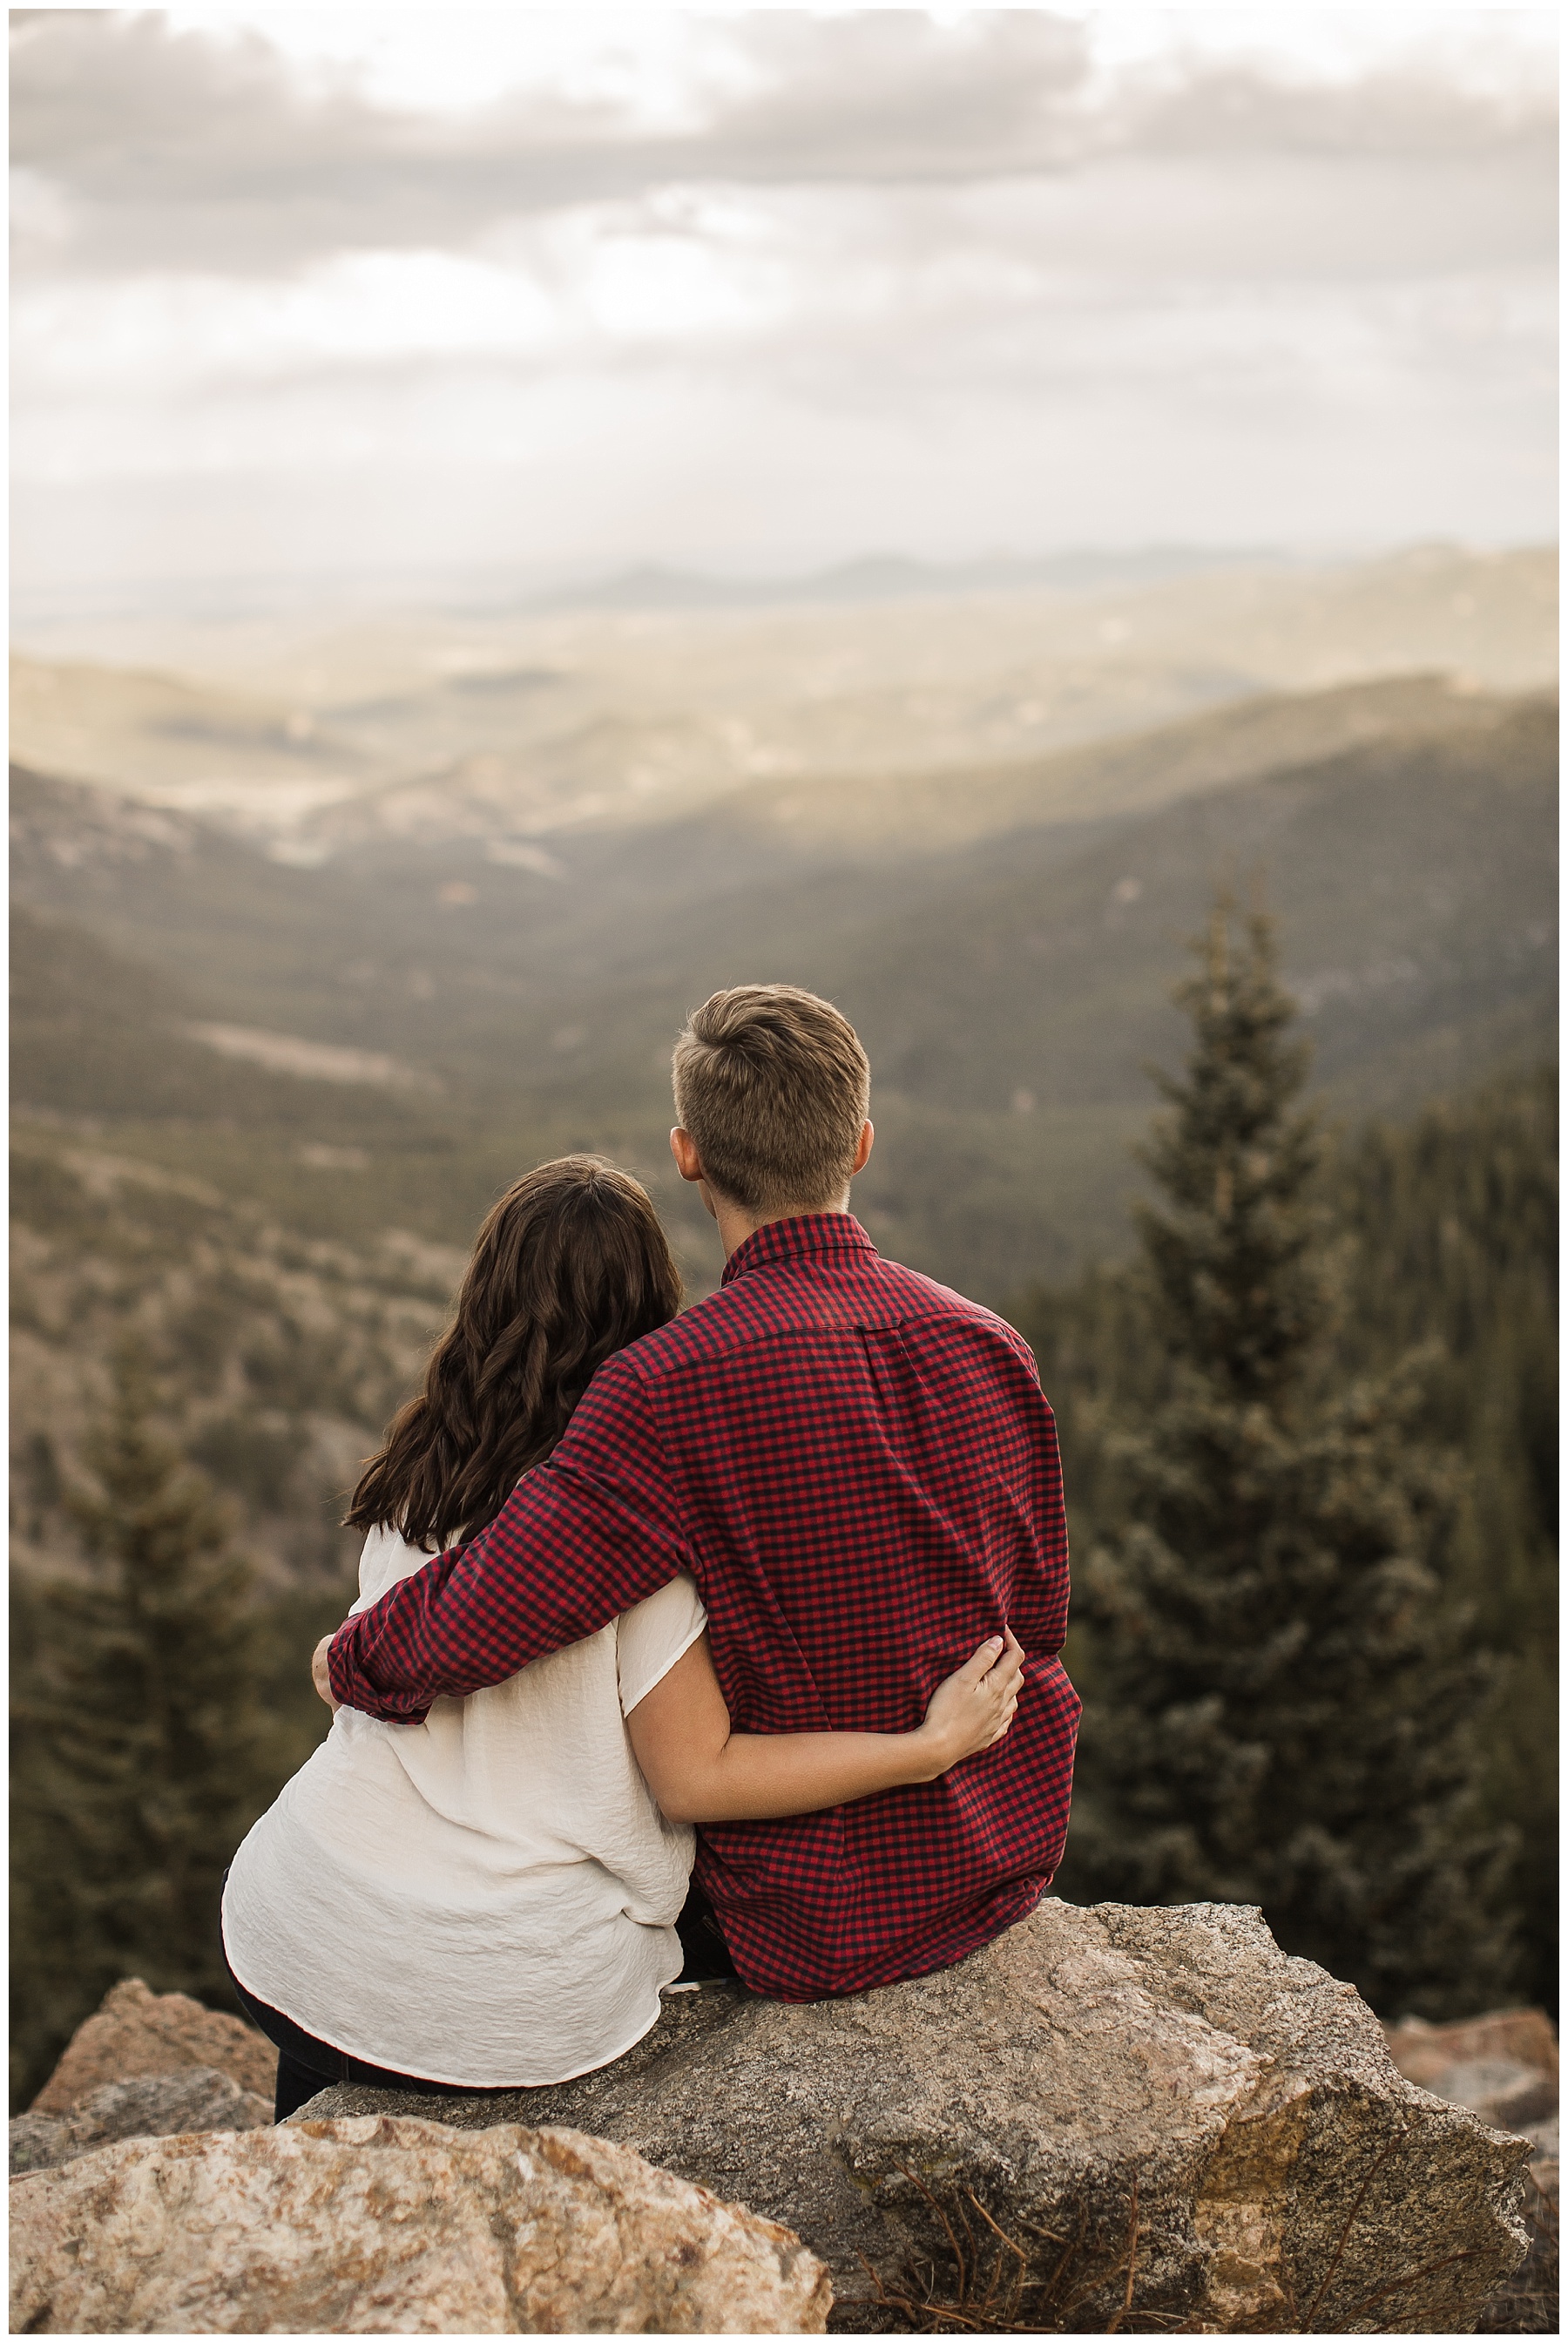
194	2099
1150	2116
137	2032
378	2224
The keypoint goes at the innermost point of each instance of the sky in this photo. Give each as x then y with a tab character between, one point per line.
379	300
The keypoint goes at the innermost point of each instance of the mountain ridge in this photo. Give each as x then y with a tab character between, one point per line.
585	720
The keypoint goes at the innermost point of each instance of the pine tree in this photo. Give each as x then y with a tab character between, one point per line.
1280	1706
140	1756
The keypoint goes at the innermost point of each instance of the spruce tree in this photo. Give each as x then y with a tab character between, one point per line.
1279	1702
140	1756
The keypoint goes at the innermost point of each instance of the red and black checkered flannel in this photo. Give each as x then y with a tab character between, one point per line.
859	1470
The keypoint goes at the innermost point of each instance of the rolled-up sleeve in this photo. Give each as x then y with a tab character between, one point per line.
582	1537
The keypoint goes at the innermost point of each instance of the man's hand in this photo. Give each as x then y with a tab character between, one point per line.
319	1676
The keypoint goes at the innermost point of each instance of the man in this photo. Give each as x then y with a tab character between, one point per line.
858	1469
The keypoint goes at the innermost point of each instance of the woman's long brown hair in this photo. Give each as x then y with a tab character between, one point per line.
570	1266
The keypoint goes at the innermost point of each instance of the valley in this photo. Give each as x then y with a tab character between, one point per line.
349	1023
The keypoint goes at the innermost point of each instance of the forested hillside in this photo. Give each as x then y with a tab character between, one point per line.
276	1358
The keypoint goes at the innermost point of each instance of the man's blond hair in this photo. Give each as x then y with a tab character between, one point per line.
772	1085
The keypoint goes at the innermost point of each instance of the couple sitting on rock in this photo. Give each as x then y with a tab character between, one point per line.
771	1567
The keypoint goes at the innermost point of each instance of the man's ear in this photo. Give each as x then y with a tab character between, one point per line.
683	1147
862	1152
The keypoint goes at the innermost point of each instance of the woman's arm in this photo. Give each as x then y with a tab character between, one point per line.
700	1771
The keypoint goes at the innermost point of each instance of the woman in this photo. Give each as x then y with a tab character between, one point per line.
488	1900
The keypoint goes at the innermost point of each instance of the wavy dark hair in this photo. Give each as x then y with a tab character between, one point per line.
569	1267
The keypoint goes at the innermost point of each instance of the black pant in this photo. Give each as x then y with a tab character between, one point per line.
306	2065
702	1941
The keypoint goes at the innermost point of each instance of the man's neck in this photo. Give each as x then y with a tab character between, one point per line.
736	1224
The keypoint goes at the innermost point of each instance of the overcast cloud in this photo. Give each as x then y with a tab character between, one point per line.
767	290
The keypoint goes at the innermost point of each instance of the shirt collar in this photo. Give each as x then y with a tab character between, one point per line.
795	1239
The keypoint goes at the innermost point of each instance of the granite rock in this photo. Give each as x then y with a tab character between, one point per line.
393	2226
192	2098
1151	2116
136	2032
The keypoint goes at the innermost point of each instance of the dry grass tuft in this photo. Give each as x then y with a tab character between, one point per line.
998	2286
1002	2288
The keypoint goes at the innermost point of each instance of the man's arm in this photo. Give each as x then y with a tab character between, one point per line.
582	1537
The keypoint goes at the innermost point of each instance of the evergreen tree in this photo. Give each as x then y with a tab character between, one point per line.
140	1756
1279	1705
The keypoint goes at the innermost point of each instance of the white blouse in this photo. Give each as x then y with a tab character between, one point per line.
487	1899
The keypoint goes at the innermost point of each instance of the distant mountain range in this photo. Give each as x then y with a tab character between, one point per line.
494	589
531	732
892	576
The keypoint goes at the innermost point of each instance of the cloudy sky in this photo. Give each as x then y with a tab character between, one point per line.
306	297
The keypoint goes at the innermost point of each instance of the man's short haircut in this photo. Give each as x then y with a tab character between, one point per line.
772	1085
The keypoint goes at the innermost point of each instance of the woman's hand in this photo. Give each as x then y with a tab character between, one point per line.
972	1708
319	1672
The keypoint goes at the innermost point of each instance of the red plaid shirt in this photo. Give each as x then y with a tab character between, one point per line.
859	1470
